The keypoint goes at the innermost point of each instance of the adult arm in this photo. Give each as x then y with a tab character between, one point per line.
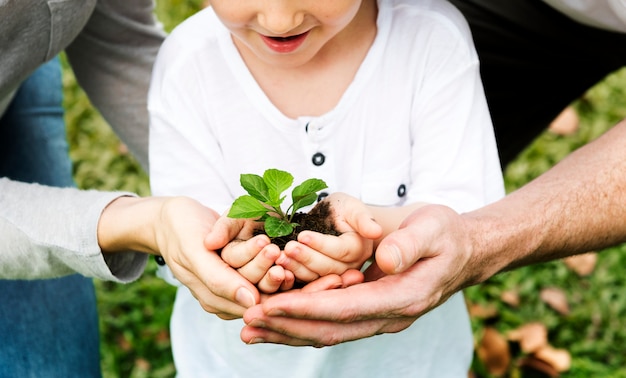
575	207
50	232
112	58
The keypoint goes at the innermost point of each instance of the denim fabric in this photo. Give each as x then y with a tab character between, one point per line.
33	143
48	328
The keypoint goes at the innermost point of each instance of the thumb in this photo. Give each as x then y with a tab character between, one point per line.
368	227
223	231
397	252
362	222
420	235
404	247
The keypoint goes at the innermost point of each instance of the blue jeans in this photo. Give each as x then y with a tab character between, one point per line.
48	328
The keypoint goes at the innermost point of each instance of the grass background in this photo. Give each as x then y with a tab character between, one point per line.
134	317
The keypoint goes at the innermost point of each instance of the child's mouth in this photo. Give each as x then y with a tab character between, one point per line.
284	44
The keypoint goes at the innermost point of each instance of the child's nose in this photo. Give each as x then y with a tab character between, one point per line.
280	18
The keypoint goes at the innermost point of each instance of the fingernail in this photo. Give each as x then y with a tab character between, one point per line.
276	312
261	242
256	340
396	256
304	238
244	297
256	323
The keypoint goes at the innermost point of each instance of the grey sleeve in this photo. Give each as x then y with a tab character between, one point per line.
112	59
49	232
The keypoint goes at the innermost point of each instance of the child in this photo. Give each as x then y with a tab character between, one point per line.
382	100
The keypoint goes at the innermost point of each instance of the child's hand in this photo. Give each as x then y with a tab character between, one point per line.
254	257
255	260
315	254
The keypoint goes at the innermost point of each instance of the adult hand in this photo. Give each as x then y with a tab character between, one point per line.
175	228
418	267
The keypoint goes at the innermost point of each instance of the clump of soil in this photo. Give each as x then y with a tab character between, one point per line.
319	219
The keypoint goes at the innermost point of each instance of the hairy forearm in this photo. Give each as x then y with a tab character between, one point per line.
575	207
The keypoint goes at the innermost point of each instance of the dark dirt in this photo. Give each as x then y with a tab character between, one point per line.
319	219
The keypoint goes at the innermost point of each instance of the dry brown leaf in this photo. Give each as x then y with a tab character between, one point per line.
559	359
565	123
479	311
532	366
142	364
583	264
530	336
510	297
494	352
555	298
163	336
124	344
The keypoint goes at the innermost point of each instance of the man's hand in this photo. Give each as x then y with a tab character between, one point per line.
417	268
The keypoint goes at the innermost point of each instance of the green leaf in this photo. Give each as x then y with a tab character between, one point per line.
303	201
305	193
255	186
309	186
247	207
277	181
275	227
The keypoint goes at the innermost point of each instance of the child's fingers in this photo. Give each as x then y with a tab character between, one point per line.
348	247
273	280
308	264
299	270
257	268
238	253
360	222
350	214
289	282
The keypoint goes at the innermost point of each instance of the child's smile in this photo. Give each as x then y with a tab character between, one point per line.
285	44
292	33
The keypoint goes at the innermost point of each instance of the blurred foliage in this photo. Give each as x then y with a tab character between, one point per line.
134	318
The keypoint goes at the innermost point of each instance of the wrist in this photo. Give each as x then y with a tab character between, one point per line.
127	224
500	241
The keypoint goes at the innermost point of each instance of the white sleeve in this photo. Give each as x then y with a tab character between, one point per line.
455	160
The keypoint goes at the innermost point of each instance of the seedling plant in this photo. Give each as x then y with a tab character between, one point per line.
265	197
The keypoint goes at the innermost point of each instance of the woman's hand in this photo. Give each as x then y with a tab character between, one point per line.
175	228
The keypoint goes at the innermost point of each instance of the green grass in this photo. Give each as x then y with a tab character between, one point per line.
134	317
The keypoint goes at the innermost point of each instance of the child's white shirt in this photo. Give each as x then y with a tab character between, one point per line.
413	126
